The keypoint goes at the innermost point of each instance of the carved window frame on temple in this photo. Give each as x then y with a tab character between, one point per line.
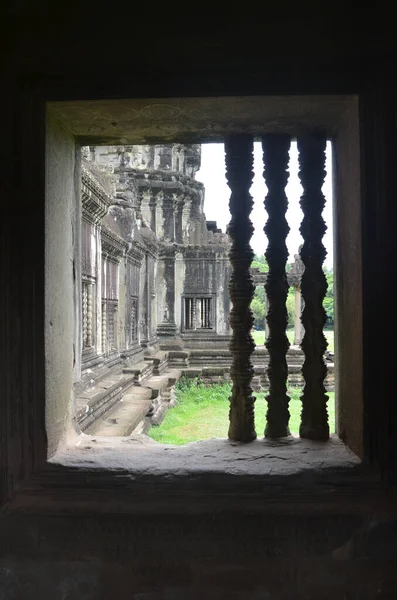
198	312
110	275
88	289
134	314
56	440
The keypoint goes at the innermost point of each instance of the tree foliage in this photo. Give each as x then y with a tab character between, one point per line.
258	302
328	302
260	263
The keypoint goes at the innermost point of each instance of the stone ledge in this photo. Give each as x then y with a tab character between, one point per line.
135	475
264	458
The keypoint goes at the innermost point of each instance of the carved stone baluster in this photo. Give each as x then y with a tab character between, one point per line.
84	314
199	314
89	315
276	157
193	312
314	424
239	174
104	327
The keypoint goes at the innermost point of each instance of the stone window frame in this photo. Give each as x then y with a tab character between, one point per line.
199	296
77	472
88	288
110	305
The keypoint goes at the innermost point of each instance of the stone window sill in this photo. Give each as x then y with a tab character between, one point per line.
264	458
138	476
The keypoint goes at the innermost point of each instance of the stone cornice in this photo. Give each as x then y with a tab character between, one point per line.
135	254
208	252
149	179
95	202
169	250
112	245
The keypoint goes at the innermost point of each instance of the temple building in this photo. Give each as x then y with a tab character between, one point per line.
154	274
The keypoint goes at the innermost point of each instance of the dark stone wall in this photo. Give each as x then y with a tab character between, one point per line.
283	558
200	274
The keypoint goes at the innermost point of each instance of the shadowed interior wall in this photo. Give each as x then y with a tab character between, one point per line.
62	310
348	282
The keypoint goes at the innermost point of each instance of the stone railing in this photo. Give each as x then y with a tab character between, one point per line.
308	277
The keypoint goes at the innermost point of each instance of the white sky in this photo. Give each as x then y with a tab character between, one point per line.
217	193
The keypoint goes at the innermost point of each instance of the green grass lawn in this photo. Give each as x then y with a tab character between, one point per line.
202	413
259	338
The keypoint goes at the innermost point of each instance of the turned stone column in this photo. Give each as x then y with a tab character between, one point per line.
89	315
239	174
298	314
314	424
275	158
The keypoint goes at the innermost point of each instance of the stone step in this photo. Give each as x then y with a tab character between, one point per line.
126	415
214	371
178	358
96	401
158	383
191	372
158	360
140	371
143	403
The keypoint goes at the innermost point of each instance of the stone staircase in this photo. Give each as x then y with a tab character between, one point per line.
96	401
117	402
141	407
131	399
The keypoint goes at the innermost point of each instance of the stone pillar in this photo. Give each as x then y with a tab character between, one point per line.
314	424
152	207
144	304
179	205
167	328
239	174
168	206
266	323
195	220
298	313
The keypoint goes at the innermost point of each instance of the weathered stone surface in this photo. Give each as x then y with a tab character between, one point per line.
140	454
147	255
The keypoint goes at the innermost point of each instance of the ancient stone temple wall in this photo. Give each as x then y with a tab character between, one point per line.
168	204
154	271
